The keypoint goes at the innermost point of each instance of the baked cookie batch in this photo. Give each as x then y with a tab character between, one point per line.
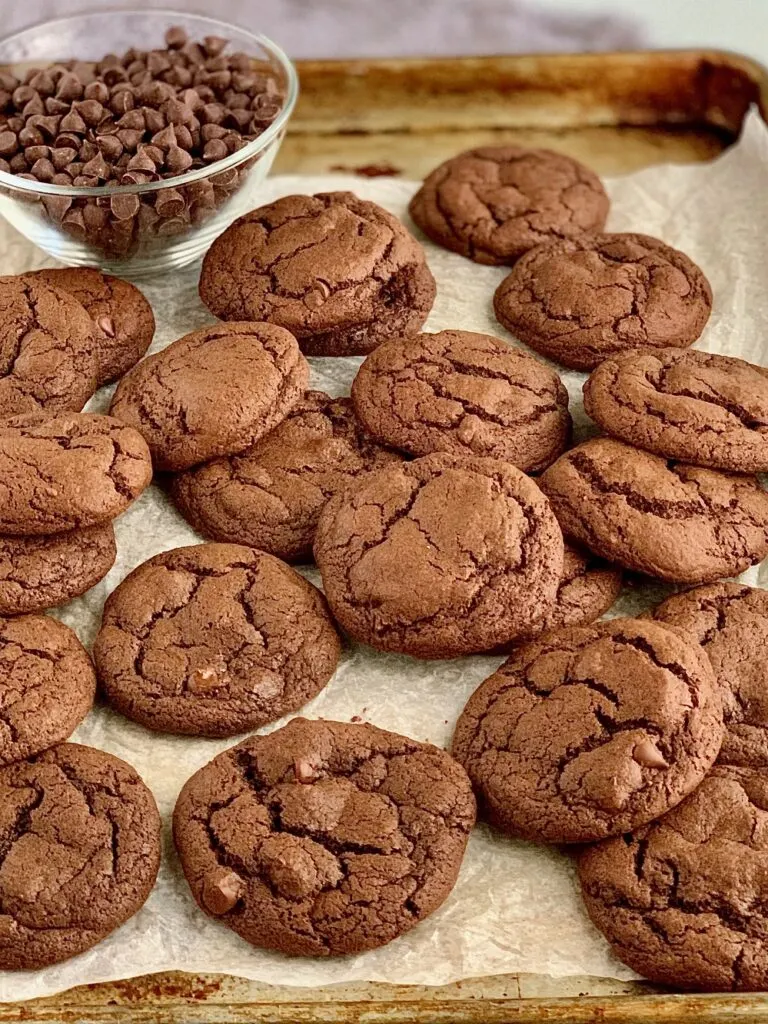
448	515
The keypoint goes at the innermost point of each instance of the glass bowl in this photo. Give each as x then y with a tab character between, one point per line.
175	220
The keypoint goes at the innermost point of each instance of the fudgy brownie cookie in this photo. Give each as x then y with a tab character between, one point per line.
730	621
440	557
591	731
465	393
680	900
324	838
705	409
271	496
580	301
495	202
213	640
67	472
123	321
213	392
678	522
45	571
48	357
80	848
48	685
340	273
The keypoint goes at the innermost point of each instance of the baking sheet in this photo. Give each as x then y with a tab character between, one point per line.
516	906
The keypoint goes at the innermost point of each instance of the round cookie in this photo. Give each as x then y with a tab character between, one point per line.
591	731
730	621
213	392
324	838
494	203
440	557
464	393
67	472
705	409
48	357
48	685
340	273
123	321
45	571
213	640
80	841
679	900
579	302
271	496
677	522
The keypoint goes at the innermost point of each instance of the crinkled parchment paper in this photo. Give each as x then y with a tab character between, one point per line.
516	907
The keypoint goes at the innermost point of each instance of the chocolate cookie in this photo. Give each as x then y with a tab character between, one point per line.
495	202
67	472
705	409
670	520
591	731
213	392
45	571
123	322
324	838
730	621
580	301
464	393
340	273
48	356
440	557
48	685
271	496
79	853
213	640
680	901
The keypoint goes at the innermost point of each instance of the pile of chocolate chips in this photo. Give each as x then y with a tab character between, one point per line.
144	116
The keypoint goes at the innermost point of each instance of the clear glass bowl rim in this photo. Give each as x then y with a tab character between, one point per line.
251	149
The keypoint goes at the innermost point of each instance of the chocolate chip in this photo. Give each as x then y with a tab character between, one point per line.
95	217
121	102
176	112
124	205
212	131
98	91
57	206
48	124
169	203
61	178
85	180
5	167
221	891
141	161
214	45
8	82
43	83
165	138
178	160
22	95
239	119
31	137
133	119
111	147
154	119
175	37
91	111
9	143
54	106
72	122
114	75
648	754
129	138
35	106
157	62
98	167
220	80
33	153
88	150
74	223
43	170
214	150
154	153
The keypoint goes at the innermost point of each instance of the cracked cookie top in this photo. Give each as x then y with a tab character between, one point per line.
48	685
48	357
580	301
324	838
681	900
591	731
213	640
122	320
494	203
213	392
79	853
730	621
680	523
440	557
68	471
706	409
464	393
271	496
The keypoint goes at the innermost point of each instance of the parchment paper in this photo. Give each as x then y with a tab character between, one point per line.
516	906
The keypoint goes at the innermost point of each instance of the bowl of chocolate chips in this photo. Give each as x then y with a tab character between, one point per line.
131	139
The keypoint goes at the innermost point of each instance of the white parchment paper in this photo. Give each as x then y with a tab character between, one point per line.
516	907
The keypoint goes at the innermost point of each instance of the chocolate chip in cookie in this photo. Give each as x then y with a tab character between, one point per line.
464	393
324	838
213	640
495	202
213	392
81	850
709	410
342	274
677	522
440	557
591	731
580	301
271	496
